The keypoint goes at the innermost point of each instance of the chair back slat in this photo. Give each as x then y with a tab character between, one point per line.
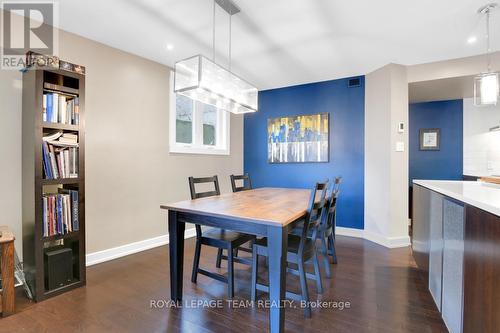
197	195
314	212
247	183
328	218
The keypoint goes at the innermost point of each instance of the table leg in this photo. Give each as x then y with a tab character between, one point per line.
277	238
7	268
176	246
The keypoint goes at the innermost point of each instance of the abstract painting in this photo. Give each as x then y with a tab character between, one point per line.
298	139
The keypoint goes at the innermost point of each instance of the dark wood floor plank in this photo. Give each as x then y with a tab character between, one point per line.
383	286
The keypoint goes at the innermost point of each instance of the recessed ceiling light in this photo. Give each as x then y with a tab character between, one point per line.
471	40
170	47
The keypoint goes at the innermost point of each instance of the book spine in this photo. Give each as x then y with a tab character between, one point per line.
50	108
59	215
45	219
46	162
62	109
66	163
55	108
59	165
74	208
77	111
44	104
53	162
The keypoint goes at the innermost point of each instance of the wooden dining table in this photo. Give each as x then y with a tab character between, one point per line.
268	212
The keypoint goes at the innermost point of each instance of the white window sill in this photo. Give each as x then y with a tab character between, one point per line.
178	149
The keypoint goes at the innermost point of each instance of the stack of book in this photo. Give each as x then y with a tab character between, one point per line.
60	213
60	155
58	108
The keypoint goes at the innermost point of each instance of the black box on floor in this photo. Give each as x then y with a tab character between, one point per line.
58	268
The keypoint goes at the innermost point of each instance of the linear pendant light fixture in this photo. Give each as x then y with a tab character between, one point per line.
202	79
486	85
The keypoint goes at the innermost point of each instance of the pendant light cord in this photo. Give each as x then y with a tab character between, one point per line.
488	47
213	34
230	15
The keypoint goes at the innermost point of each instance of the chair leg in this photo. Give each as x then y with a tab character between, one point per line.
326	258
317	273
303	287
219	258
236	252
255	270
331	241
230	272
196	261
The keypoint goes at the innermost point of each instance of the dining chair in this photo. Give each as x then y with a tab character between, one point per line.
219	238
327	226
247	185
301	249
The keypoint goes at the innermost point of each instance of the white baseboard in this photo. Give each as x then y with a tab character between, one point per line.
389	242
350	232
127	249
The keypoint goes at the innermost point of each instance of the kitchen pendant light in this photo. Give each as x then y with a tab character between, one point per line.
202	79
486	85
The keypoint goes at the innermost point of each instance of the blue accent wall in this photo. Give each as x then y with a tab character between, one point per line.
347	111
446	163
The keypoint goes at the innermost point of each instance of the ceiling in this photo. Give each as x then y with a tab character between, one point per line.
286	42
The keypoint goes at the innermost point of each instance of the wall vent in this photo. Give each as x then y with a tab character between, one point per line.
353	83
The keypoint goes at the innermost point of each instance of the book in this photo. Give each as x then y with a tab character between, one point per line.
77	111
75	211
50	108
62	110
55	108
44	106
46	161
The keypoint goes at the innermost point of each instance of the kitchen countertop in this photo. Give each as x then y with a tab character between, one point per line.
479	194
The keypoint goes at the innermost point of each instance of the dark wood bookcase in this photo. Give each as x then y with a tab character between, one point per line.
36	82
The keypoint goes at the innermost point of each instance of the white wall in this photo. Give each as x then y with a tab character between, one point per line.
386	171
481	147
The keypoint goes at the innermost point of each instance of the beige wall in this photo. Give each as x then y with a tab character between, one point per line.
129	171
452	68
386	170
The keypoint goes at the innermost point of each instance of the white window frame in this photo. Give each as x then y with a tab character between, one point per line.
222	130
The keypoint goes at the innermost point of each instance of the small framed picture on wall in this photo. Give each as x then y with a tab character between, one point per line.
430	139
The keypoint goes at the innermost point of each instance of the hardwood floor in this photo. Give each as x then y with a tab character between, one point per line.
385	292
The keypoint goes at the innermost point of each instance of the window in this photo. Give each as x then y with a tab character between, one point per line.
197	128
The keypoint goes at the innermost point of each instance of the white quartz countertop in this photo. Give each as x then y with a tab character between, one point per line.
482	195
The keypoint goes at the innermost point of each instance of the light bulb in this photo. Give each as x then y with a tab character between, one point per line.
489	89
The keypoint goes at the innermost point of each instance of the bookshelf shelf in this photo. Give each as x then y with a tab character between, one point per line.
62	181
58	126
69	193
74	234
59	88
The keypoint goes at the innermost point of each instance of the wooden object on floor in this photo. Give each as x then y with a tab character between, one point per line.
267	212
219	238
7	271
36	82
301	248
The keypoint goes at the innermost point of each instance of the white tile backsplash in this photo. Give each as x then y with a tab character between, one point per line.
481	147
